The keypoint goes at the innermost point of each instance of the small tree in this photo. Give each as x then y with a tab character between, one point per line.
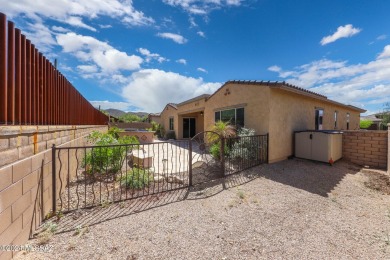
386	115
364	124
129	118
224	130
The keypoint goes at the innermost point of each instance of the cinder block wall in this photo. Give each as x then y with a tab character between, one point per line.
366	148
26	185
19	142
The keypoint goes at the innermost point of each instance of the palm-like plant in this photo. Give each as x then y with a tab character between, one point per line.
224	129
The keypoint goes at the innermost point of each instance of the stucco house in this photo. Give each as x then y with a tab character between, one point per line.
276	108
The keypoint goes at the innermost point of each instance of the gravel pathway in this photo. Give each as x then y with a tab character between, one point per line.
294	209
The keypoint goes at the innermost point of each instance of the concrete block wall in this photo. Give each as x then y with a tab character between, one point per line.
367	148
19	142
26	185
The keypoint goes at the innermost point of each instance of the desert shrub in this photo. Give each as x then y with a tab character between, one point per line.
364	124
136	178
245	147
114	131
215	150
170	135
109	157
157	129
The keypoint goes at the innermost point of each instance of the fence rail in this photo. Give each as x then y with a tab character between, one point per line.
89	176
32	90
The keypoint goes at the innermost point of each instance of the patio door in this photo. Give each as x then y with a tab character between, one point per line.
189	127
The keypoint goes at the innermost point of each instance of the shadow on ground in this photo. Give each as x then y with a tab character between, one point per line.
314	177
88	217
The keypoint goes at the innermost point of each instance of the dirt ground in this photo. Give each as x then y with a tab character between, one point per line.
294	209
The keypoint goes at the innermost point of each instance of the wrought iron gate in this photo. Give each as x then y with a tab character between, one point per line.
88	176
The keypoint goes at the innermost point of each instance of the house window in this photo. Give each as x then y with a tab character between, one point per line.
335	119
347	121
319	114
171	123
234	116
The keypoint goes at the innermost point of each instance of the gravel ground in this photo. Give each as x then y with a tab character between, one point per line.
294	209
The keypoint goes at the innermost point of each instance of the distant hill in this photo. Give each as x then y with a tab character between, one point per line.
118	113
115	112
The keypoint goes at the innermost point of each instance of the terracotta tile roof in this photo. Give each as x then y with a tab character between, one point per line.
289	87
203	96
274	84
172	105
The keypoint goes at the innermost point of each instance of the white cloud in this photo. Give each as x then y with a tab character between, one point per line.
385	53
342	32
274	68
59	29
89	49
182	61
362	85
201	70
73	11
152	89
88	68
201	34
174	37
78	22
381	37
41	36
105	26
192	22
151	56
202	7
105	104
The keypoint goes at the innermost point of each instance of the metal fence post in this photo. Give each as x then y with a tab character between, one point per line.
190	162
267	147
54	179
222	155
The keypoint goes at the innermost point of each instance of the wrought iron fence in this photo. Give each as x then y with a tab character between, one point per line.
33	91
89	176
97	175
244	152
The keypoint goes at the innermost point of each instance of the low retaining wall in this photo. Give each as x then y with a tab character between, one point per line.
135	125
367	148
19	142
26	185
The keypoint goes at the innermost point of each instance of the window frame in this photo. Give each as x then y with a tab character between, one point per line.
219	112
336	115
318	122
171	123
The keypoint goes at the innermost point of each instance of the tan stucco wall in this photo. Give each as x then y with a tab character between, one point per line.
168	112
291	112
267	110
254	99
156	119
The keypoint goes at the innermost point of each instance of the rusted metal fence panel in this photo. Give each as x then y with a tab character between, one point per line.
3	68
33	91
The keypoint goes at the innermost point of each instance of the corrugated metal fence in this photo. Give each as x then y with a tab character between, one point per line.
33	91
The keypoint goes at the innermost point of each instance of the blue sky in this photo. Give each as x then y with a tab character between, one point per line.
139	55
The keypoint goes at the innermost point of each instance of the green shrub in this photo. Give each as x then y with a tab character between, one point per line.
114	131
364	124
245	147
170	135
136	178
108	158
215	150
157	129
